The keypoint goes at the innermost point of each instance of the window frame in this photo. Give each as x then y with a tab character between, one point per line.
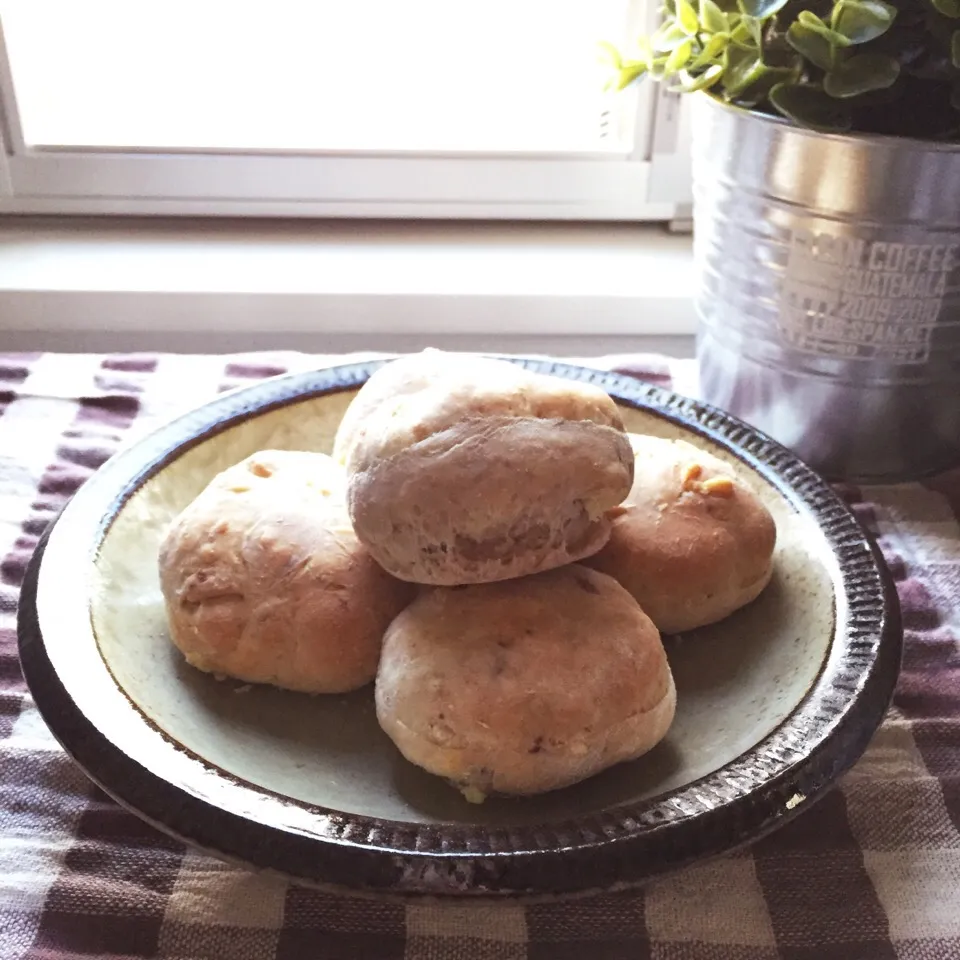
648	181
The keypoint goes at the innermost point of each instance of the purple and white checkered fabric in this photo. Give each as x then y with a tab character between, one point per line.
870	873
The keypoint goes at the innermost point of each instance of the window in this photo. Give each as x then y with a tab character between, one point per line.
421	108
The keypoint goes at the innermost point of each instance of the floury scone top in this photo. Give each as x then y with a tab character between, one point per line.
463	469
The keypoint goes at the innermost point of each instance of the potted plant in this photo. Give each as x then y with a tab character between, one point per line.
827	220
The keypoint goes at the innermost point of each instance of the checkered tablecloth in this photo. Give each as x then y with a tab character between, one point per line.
871	872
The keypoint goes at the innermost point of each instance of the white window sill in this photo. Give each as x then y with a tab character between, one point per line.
329	286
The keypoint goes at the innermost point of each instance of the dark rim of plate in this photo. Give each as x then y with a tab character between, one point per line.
614	849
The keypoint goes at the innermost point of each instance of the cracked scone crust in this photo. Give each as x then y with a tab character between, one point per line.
265	581
693	542
472	470
524	686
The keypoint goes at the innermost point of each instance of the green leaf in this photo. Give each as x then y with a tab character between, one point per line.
712	49
861	74
678	59
949	8
656	67
747	79
955	49
812	21
712	18
755	27
742	36
609	55
629	72
810	107
737	64
770	77
881	8
687	17
707	79
811	45
761	9
668	38
861	22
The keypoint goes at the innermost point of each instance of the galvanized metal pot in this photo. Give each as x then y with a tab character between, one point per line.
829	291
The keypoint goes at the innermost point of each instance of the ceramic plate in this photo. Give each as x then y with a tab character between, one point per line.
773	703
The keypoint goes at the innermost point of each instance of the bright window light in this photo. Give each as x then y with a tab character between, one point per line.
313	75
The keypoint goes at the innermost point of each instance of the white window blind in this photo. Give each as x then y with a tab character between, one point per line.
332	107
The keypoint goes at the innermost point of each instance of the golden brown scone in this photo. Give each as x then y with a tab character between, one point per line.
475	470
265	581
694	542
524	686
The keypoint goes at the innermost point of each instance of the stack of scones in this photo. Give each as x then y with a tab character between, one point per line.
492	549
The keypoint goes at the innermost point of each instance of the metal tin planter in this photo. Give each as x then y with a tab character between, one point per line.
829	291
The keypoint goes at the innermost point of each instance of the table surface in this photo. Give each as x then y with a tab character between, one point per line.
871	872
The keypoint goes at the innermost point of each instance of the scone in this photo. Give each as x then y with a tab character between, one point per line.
265	581
409	374
524	686
694	543
463	469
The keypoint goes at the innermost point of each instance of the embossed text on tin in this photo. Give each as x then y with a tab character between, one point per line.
864	299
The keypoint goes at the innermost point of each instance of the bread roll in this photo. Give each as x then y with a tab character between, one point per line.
265	581
526	685
694	542
473	470
409	374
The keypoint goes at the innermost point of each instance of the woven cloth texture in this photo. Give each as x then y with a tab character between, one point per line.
871	872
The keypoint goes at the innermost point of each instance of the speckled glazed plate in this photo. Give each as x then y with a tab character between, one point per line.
773	703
